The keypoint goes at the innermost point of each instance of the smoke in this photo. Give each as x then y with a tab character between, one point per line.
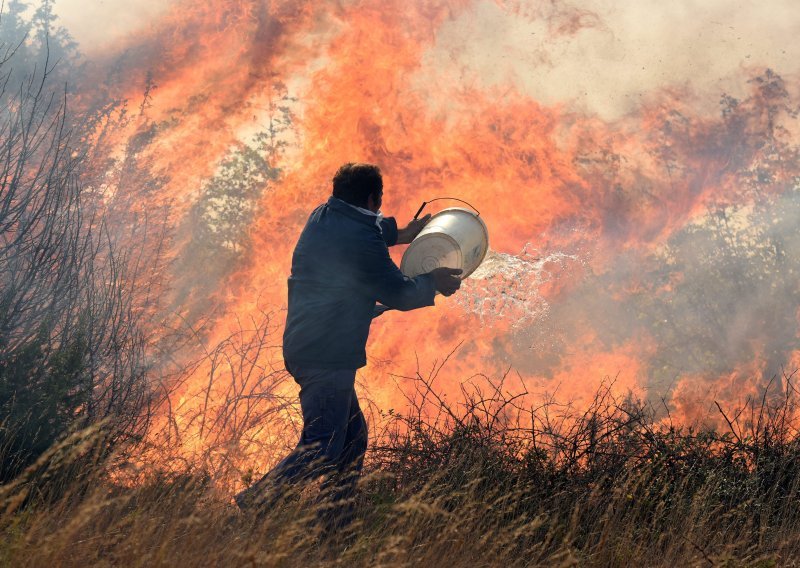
608	58
98	24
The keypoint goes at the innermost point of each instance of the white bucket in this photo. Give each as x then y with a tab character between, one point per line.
455	238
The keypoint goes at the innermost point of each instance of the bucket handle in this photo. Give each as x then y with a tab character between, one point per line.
424	203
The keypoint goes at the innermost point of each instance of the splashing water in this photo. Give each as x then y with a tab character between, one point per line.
508	287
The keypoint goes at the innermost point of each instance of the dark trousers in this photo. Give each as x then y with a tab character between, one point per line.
332	443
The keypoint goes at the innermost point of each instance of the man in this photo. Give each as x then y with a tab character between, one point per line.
340	268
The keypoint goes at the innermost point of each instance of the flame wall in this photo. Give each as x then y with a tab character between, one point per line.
629	227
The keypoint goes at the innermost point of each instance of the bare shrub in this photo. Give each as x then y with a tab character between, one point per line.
226	412
71	351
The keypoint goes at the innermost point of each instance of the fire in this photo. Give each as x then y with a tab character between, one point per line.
585	214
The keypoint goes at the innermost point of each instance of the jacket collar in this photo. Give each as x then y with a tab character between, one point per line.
358	213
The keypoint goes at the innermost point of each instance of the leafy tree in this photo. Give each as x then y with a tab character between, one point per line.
227	205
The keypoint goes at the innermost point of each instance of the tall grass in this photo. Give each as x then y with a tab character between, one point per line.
485	483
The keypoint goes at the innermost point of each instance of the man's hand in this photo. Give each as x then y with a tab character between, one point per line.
445	280
407	233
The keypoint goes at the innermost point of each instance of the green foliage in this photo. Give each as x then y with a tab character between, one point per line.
220	220
45	393
728	287
228	201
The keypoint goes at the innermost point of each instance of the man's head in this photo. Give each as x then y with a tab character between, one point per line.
360	185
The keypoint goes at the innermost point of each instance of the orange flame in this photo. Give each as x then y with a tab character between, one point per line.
574	204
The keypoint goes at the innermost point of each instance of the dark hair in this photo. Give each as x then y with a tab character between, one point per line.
354	183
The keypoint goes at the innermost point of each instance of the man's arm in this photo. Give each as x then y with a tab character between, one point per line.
394	236
410	231
389	231
446	281
380	277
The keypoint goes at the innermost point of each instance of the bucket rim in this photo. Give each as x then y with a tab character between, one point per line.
405	260
472	213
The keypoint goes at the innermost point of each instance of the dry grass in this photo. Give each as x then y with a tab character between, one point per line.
461	486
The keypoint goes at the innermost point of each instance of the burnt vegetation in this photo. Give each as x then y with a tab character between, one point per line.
90	461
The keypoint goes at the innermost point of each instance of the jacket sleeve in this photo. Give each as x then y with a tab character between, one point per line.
389	231
380	278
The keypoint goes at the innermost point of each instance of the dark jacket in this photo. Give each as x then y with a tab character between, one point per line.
340	268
